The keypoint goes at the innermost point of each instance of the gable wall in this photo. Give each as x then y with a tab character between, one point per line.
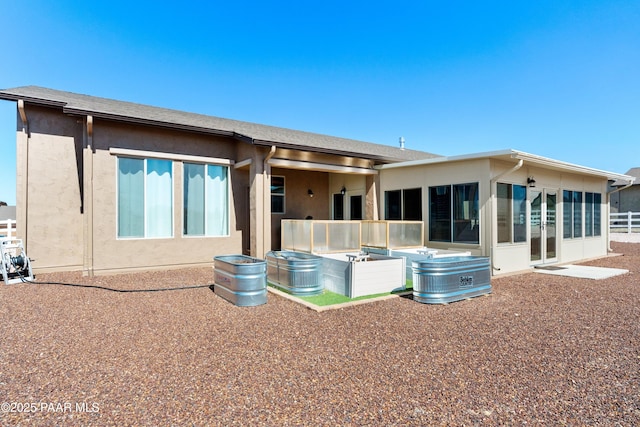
55	198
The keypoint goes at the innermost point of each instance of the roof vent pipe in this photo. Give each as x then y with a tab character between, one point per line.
402	142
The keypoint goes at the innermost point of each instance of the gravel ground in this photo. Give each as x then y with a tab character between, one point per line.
541	350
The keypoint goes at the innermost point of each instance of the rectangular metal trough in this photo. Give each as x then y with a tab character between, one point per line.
444	280
240	279
298	273
415	254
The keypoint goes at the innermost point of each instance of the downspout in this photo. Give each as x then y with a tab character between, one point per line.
621	188
494	229
23	114
87	202
609	193
266	201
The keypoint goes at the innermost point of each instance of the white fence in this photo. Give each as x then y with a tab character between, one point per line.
624	222
7	228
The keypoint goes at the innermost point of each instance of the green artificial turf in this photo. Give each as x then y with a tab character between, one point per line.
331	298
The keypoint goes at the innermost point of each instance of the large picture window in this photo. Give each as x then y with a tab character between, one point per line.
145	198
403	205
454	213
512	210
206	200
393	205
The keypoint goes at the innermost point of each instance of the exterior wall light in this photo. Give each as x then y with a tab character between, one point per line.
343	190
531	182
310	192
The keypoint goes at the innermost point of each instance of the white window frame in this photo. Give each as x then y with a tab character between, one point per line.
228	203
144	204
145	154
510	219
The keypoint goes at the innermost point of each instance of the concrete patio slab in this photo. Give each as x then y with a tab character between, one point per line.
581	271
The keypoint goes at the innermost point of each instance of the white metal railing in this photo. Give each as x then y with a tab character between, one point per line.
624	222
7	228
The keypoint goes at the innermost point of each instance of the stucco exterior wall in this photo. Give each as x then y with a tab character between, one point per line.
51	154
627	200
514	257
67	181
354	185
506	257
67	195
298	203
425	176
57	197
112	253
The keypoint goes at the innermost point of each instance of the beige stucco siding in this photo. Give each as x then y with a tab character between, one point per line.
627	200
54	219
354	185
56	193
298	203
114	254
67	195
516	257
425	176
506	257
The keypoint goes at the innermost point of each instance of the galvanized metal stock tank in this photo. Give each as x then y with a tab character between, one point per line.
240	279
298	273
444	280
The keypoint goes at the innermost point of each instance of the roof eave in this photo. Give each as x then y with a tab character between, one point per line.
197	129
517	155
324	150
149	122
30	99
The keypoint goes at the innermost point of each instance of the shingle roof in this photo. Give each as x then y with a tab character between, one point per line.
635	172
258	134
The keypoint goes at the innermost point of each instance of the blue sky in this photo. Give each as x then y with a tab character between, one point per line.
558	78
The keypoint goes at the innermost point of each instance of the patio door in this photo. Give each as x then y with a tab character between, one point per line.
338	206
355	207
543	226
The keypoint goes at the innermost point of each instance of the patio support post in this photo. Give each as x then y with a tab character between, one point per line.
260	204
266	206
372	184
